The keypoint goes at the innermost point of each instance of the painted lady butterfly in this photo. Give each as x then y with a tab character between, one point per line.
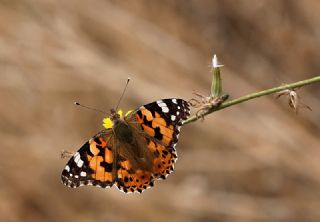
132	151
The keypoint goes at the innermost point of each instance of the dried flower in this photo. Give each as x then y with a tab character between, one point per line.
205	103
294	99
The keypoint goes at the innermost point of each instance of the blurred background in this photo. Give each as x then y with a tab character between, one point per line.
257	161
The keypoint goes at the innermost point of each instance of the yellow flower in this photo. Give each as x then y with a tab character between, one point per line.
107	122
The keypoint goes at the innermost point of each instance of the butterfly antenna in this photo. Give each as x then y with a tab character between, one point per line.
124	90
87	107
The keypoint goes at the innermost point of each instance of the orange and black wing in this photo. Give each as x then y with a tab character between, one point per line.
131	179
161	121
93	164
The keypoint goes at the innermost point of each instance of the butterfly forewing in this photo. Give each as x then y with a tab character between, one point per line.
162	119
93	163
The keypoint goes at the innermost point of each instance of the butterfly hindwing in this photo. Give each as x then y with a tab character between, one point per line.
133	180
164	159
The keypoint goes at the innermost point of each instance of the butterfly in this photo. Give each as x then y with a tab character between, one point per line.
132	151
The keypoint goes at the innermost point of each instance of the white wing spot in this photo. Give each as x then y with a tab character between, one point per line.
83	174
80	163
179	107
67	168
174	101
178	113
76	157
162	104
173	117
76	176
165	109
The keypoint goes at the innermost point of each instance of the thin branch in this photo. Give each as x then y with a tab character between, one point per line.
253	96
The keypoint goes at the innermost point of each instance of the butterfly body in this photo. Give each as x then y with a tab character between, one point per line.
123	131
132	151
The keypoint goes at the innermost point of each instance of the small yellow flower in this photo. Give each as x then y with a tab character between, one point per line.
107	122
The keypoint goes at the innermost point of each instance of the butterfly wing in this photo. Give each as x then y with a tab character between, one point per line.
93	164
162	119
131	179
160	123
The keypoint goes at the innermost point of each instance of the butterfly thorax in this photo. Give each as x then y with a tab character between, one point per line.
121	128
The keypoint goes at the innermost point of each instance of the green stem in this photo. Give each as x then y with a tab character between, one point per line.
254	95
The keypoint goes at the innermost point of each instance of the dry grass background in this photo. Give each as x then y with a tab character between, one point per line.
257	161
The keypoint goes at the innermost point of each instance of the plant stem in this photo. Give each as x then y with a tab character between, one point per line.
252	96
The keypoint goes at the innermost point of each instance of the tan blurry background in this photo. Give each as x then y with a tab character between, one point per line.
257	161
